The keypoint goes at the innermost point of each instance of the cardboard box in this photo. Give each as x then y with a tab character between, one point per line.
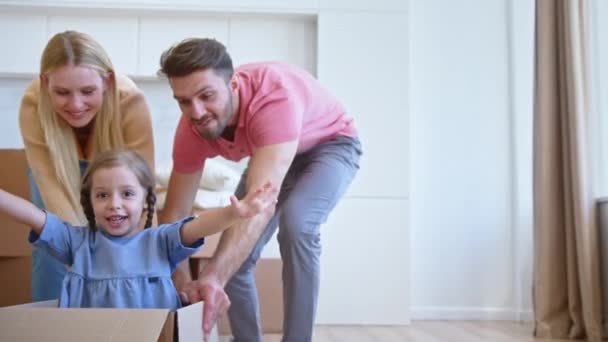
15	280
268	278
269	283
15	251
13	178
43	321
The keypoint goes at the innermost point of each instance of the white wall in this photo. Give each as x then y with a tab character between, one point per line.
470	67
599	46
521	43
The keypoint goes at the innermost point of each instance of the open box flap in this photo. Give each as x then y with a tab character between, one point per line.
190	324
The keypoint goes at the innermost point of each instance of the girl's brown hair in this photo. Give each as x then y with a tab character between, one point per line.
113	158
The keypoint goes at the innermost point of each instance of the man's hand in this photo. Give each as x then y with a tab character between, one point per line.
216	302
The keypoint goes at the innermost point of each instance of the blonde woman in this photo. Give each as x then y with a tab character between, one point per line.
76	108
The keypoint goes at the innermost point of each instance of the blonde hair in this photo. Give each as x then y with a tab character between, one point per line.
114	158
79	49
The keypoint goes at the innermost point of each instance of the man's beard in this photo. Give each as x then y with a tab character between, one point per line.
222	122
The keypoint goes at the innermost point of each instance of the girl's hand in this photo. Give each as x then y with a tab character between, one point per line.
255	201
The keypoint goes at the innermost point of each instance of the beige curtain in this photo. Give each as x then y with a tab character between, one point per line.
567	285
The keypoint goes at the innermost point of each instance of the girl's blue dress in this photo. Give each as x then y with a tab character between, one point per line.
116	272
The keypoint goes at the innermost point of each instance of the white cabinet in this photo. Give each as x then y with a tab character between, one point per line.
116	34
365	263
135	42
369	50
363	60
22	41
291	39
215	5
379	5
157	34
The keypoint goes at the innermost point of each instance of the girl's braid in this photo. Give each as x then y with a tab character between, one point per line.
150	205
87	207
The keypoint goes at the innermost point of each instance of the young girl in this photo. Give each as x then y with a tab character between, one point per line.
114	262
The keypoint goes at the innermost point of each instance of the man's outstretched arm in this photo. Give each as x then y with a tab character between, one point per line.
268	164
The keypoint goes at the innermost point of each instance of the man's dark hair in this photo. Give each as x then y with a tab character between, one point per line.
195	54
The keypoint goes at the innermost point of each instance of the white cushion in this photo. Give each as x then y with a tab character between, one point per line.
204	199
217	176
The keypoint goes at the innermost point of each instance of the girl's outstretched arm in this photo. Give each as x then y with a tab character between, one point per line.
22	211
216	220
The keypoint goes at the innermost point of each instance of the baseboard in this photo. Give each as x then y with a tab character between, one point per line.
470	314
526	316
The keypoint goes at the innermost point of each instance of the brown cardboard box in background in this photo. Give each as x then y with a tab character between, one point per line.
15	251
269	283
13	178
15	280
270	295
43	321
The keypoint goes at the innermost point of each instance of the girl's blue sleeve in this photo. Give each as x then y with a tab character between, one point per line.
176	251
59	238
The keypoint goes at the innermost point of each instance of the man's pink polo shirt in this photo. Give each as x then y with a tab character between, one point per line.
278	103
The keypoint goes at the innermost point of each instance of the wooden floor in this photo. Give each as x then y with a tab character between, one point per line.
424	331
